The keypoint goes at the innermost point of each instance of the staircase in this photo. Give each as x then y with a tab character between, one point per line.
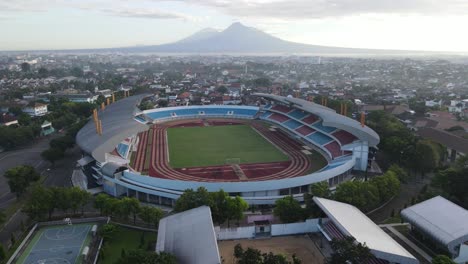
239	172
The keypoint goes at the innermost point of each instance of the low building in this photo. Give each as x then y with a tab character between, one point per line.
35	109
443	223
346	220
47	128
456	146
190	236
8	119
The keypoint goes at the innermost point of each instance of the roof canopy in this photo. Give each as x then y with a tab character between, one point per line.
117	124
352	222
190	236
329	117
441	219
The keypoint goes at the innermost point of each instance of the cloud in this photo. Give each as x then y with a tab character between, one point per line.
144	13
311	9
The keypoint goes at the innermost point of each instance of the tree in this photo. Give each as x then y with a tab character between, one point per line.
24	119
236	208
132	205
219	206
2	217
222	89
39	203
108	231
2	253
192	199
78	198
427	156
288	210
255	256
147	257
319	189
25	67
347	250
101	201
442	259
52	155
20	177
62	143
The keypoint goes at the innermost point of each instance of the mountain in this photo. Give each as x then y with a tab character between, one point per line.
200	35
238	38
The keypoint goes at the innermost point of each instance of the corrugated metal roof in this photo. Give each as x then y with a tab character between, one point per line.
117	124
190	236
445	221
352	222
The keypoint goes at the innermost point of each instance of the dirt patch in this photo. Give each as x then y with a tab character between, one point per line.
302	246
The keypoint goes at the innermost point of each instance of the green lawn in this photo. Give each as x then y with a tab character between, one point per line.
212	145
127	239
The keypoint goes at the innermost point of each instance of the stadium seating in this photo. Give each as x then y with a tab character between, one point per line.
266	107
334	149
344	137
297	114
332	231
231	112
244	112
319	138
281	108
292	124
158	115
305	130
310	119
122	149
323	128
141	119
278	117
265	115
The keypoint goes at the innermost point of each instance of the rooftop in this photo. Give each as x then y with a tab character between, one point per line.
117	123
439	217
190	236
352	222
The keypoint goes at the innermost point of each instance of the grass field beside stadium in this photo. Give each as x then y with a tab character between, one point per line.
212	145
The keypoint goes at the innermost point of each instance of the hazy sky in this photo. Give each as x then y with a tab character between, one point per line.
387	24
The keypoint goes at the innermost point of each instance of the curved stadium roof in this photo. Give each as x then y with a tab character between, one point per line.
117	123
329	117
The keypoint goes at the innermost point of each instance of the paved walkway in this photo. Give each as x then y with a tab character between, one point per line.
421	252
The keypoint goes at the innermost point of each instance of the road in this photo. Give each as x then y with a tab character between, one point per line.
59	175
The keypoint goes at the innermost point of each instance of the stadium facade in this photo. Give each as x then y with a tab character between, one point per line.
342	141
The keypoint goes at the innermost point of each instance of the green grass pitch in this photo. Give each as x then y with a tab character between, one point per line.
212	145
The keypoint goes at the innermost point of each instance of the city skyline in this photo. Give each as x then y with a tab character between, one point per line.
406	25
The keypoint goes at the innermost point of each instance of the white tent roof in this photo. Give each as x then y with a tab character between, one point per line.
440	218
190	236
352	222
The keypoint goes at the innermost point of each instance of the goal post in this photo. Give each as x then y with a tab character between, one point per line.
232	161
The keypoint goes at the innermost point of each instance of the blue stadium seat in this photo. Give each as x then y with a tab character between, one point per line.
298	114
158	115
265	115
323	128
122	149
244	112
292	124
319	138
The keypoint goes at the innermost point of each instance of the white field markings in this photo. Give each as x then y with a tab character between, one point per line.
35	243
271	142
167	146
82	243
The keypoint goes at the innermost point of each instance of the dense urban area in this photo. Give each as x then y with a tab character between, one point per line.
418	106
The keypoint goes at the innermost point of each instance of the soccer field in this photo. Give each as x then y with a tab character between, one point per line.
212	145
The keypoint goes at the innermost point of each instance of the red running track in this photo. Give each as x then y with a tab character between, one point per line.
298	164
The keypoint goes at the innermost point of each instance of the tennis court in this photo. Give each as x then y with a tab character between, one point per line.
57	244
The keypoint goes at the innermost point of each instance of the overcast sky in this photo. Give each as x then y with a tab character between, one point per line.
439	25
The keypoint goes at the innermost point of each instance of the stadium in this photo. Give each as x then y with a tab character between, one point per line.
261	153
